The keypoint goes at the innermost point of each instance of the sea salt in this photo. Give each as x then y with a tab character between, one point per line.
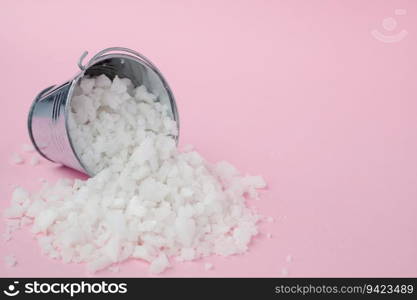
12	225
34	160
10	261
147	201
114	269
159	264
208	266
28	148
16	159
188	148
6	236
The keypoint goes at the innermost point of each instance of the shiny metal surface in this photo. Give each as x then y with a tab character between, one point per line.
47	120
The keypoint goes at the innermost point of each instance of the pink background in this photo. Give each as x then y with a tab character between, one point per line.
298	91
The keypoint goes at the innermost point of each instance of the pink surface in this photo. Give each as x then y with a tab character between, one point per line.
298	91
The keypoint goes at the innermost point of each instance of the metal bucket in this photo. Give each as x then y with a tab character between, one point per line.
48	115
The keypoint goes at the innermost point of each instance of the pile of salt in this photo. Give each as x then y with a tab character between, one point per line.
148	200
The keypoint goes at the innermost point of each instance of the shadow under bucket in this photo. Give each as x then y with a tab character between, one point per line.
48	115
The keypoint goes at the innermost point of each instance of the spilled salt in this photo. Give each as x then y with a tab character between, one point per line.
148	200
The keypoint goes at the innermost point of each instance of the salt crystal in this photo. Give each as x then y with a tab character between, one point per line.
44	219
188	148
288	258
12	225
118	86
25	221
270	219
20	195
17	159
142	252
28	148
102	81
187	254
269	235
208	266
10	261
114	269
6	236
15	211
98	264
284	272
34	160
87	85
159	264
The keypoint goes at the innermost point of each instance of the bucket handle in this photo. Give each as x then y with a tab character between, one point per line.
108	50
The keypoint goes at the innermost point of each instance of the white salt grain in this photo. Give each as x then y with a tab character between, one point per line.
186	254
6	236
25	221
159	264
97	264
12	225
269	235
142	252
270	219
16	159
288	258
148	200
34	160
20	195
208	266
43	220
114	269
28	148
15	211
188	148
10	261
284	272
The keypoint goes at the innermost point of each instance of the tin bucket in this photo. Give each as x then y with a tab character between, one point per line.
48	115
